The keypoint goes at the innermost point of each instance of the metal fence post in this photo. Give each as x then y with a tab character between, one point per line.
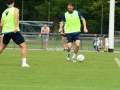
48	12
41	42
55	42
96	45
22	16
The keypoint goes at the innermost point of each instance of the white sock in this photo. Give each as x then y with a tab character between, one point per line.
68	53
74	55
23	61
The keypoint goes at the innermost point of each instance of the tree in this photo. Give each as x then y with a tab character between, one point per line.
52	10
57	9
2	7
96	12
29	11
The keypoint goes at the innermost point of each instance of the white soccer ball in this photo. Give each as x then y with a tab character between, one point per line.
80	57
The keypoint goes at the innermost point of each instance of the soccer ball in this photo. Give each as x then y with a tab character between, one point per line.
80	57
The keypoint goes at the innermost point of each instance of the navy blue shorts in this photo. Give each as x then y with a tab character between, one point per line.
73	37
16	37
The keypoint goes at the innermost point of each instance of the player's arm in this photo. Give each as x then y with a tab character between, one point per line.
1	24
84	25
62	33
61	26
83	21
16	20
62	23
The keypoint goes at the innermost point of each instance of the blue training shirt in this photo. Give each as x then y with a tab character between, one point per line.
79	14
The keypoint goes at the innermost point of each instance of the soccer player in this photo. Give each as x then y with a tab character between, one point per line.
72	20
10	29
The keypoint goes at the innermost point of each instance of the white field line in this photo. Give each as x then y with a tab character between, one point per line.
53	87
39	86
117	61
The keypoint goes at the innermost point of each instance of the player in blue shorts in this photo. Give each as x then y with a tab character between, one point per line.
72	20
10	29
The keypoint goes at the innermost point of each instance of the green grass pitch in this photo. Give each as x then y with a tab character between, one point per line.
51	71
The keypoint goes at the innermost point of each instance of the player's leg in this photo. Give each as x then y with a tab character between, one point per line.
23	54
77	45
5	40
2	38
23	49
69	45
18	39
2	47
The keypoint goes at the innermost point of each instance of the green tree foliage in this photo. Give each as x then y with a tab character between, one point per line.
96	14
58	8
2	6
52	10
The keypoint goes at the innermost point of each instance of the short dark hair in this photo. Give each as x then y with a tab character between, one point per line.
10	1
70	3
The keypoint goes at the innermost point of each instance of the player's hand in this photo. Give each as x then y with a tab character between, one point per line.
15	30
62	33
0	25
60	30
85	30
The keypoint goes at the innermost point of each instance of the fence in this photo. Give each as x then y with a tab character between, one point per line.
33	41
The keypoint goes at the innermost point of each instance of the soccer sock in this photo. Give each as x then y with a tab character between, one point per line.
68	54
23	61
74	55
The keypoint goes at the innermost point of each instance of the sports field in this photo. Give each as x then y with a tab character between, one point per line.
51	71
